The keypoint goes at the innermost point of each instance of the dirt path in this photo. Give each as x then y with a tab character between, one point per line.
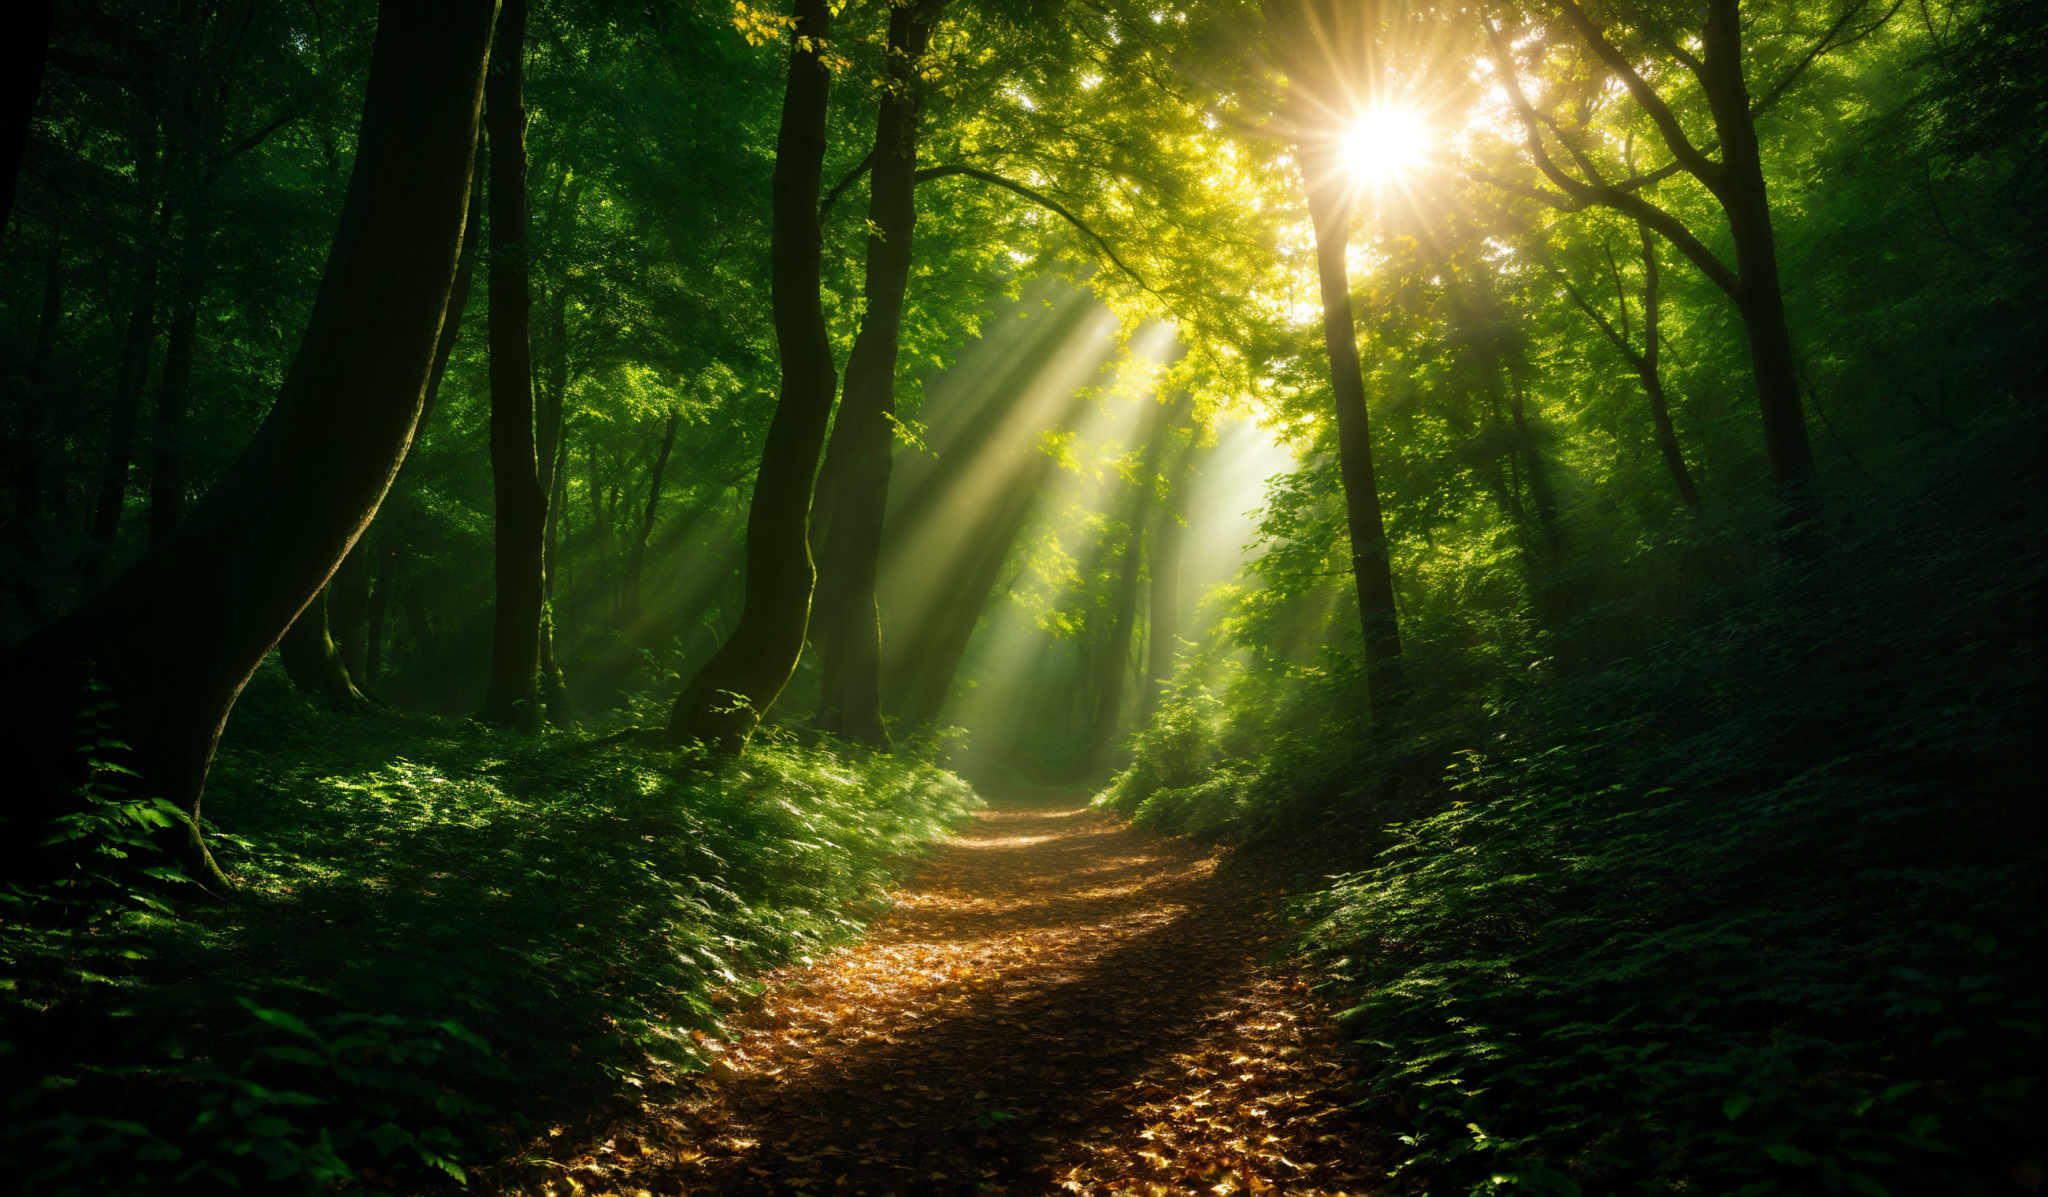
1058	1003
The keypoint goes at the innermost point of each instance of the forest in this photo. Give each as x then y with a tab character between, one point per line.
1023	596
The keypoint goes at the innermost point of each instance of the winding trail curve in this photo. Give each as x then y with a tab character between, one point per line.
1058	1003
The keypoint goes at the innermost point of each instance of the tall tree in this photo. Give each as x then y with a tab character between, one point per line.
512	698
168	646
1719	65
858	458
28	49
1319	53
724	702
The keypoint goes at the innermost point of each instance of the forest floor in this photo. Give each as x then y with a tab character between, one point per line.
1058	1002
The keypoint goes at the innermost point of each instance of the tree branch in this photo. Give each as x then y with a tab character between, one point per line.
1608	195
1039	198
1687	154
838	189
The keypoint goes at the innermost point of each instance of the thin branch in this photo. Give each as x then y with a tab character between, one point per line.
1833	39
1689	156
1042	200
255	139
1620	291
838	189
1628	203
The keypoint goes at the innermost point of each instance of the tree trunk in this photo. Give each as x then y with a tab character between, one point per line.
1541	494
1372	572
35	401
169	644
1759	298
380	602
20	81
554	687
458	295
133	372
167	462
723	704
1163	618
1652	376
966	591
849	630
513	696
314	662
638	559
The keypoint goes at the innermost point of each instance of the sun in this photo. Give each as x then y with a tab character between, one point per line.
1384	143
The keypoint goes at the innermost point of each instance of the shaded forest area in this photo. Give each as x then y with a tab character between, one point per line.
520	517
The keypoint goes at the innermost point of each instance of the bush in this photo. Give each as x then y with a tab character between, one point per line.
427	951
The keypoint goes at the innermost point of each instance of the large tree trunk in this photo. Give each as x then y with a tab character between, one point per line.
170	643
311	658
1758	297
21	78
723	704
849	625
1371	571
512	698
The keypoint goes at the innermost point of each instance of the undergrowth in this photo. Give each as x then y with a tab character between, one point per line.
425	953
1750	907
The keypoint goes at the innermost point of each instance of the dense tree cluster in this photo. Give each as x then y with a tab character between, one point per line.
1269	404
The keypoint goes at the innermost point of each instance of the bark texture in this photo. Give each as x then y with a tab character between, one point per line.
171	642
848	624
512	697
723	704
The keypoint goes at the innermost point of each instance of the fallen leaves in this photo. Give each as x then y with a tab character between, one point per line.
1057	1003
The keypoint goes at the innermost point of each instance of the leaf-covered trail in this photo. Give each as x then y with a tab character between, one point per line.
1058	1003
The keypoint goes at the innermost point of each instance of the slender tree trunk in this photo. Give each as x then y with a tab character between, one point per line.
1652	377
132	375
21	79
927	682
314	661
1116	664
554	687
170	643
849	624
637	561
1541	493
512	698
380	602
1372	572
723	704
1163	618
348	604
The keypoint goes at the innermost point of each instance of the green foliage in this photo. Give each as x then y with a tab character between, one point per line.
429	952
1744	904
